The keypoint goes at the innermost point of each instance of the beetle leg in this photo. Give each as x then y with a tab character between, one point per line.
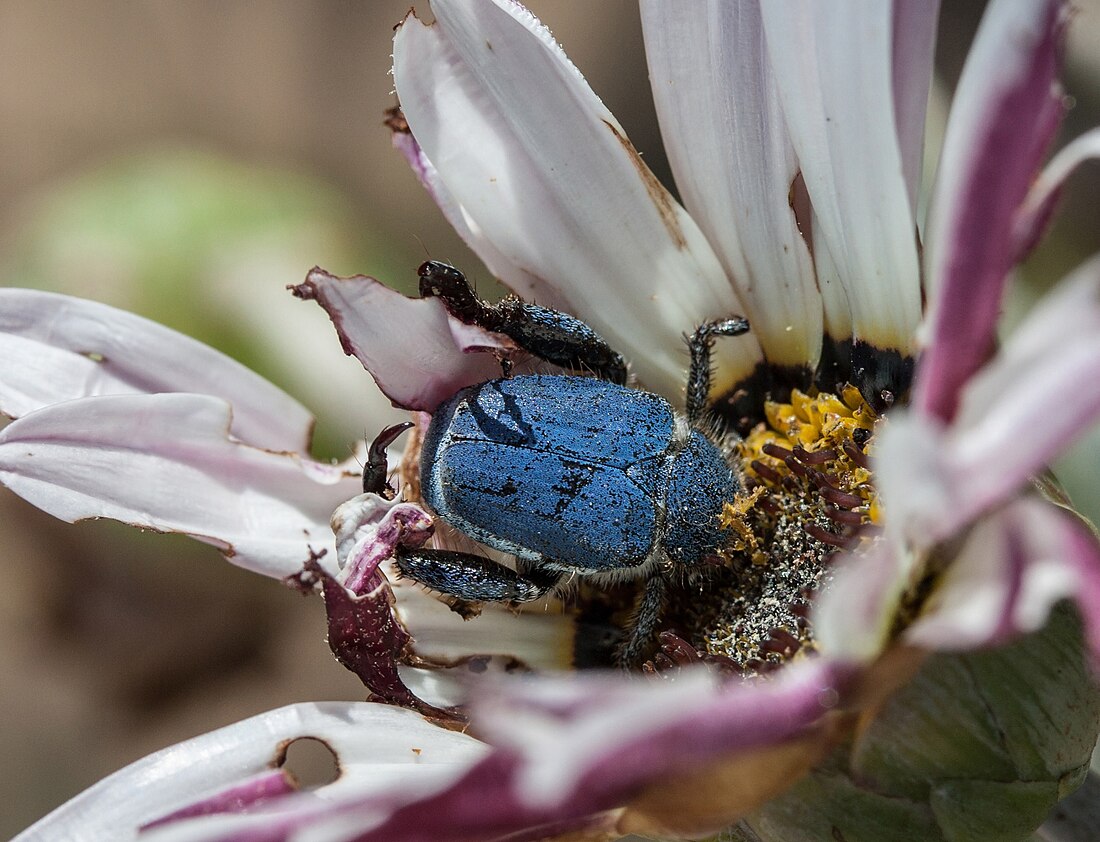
650	608
449	285
550	335
473	578
376	471
560	339
699	345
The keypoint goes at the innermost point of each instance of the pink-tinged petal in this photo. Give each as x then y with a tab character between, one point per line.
833	63
383	753
478	807
417	354
58	348
367	639
237	798
570	748
915	478
1016	415
913	50
1006	110
727	141
1034	398
372	609
854	615
581	735
1042	198
1013	568
166	462
583	748
363	631
541	170
369	530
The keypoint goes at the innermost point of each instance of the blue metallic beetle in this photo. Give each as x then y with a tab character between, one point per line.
572	475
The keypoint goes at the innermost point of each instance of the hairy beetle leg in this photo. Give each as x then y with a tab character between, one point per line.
473	578
548	334
699	345
642	633
376	471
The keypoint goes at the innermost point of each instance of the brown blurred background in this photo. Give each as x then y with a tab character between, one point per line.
187	161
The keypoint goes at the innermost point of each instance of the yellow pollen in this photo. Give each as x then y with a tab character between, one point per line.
733	518
834	427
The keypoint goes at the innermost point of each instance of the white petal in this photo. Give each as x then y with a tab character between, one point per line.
854	615
833	64
914	49
165	462
57	348
544	173
539	635
727	141
834	295
515	277
378	748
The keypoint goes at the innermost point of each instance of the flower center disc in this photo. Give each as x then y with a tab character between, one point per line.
808	494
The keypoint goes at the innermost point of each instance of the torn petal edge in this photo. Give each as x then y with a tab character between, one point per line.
417	354
93	349
188	777
516	136
166	462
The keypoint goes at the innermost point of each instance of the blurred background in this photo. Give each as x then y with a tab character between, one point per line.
187	161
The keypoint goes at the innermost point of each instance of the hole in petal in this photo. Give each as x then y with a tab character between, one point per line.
312	763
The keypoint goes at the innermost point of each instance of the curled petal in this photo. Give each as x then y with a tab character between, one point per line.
1038	207
543	172
987	166
363	632
369	529
58	348
166	462
417	354
385	755
370	607
1013	568
727	142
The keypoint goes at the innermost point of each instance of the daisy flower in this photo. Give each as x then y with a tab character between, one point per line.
885	650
